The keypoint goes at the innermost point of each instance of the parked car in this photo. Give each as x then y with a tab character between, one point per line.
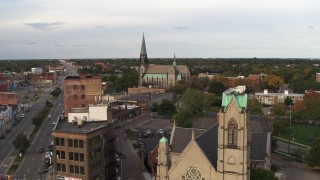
160	131
121	155
22	115
50	148
40	149
2	136
117	126
14	123
8	130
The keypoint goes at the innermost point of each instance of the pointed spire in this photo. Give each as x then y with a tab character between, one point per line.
192	135
174	60
143	53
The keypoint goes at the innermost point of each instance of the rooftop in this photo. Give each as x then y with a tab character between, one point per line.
87	127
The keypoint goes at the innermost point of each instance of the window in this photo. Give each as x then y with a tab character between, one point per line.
76	156
193	173
63	168
232	134
63	155
75	143
80	143
70	155
58	154
75	105
82	170
61	141
76	169
70	142
82	87
82	157
57	142
71	169
75	87
58	167
83	96
75	96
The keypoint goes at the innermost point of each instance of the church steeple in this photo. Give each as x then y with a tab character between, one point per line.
143	53
174	60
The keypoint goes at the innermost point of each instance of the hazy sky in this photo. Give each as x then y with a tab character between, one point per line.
188	28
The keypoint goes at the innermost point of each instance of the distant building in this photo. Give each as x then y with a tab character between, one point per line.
209	76
98	112
84	150
37	70
80	91
162	76
273	98
141	90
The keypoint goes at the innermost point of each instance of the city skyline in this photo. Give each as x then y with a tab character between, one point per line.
37	29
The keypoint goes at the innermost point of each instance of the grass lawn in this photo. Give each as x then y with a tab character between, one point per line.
301	133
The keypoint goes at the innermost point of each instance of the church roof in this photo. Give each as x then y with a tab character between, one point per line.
240	99
208	142
163	140
182	137
258	146
164	69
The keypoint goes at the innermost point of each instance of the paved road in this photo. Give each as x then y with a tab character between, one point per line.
131	164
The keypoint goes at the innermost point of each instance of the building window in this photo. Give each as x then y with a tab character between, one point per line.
58	154
75	87
63	155
58	167
76	169
75	96
82	157
61	141
83	105
80	143
193	173
63	168
232	134
57	142
82	87
83	96
71	169
70	155
70	142
75	143
82	170
76	156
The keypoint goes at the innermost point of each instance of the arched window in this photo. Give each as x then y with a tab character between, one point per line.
193	173
232	134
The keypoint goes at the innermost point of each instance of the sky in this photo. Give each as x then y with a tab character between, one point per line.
65	29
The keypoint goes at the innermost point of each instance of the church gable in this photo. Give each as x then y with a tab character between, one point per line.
192	157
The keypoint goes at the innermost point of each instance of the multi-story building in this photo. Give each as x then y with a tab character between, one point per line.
80	91
84	150
318	77
273	98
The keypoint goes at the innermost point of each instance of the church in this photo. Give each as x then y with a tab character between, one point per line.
160	76
224	151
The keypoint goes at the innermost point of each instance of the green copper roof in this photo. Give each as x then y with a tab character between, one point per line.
163	140
143	47
240	99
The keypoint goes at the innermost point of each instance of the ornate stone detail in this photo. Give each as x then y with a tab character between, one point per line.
193	173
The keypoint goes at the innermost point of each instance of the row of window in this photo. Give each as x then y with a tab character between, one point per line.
72	169
75	143
74	156
75	87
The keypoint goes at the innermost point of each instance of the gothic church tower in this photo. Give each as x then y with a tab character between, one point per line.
233	137
143	61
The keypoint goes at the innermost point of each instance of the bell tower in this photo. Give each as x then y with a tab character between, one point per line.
233	137
143	64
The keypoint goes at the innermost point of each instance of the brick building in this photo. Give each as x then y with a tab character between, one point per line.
80	91
84	150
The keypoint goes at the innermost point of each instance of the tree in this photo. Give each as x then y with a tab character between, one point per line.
255	106
167	108
261	174
314	155
193	104
216	87
312	104
154	107
179	88
128	79
197	83
274	82
21	143
288	101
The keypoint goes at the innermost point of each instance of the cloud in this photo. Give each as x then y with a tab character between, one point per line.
79	45
99	27
181	27
30	43
45	25
310	27
57	45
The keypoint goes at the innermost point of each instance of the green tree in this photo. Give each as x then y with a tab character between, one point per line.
288	101
167	108
261	174
129	79
179	88
274	82
314	155
255	106
193	104
154	107
216	87
21	143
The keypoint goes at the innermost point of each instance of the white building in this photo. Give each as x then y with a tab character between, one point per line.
273	98
37	70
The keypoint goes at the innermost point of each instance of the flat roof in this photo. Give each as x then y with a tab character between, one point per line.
87	127
278	94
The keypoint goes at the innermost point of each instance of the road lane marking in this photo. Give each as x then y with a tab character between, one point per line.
6	157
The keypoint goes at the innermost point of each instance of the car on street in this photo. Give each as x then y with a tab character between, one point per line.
8	130
50	148
117	126
160	131
40	149
49	116
121	155
22	115
2	136
14	123
53	122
